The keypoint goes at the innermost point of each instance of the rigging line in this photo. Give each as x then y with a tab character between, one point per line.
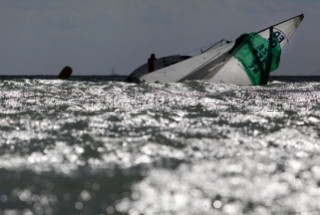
315	72
202	47
213	45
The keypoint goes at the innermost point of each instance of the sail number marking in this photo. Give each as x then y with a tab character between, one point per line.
261	53
279	36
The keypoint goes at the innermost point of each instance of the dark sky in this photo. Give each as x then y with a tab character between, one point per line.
42	36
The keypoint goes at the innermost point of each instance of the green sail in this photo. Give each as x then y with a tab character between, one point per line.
259	56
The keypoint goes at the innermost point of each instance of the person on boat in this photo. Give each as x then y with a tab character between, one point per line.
151	61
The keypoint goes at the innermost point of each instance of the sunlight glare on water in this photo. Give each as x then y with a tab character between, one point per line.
102	147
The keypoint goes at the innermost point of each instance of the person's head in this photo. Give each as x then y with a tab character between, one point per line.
153	56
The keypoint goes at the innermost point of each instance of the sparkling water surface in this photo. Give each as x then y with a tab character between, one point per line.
104	147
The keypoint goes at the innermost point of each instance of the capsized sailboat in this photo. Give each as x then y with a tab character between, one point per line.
247	61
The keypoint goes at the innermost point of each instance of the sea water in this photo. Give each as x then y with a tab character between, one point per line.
105	147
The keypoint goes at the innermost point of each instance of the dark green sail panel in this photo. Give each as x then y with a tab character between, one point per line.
259	56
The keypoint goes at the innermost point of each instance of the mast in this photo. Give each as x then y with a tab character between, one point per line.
113	70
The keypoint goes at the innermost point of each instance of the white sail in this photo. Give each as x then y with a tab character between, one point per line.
233	71
285	30
219	65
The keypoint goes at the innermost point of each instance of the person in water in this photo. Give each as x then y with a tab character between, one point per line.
151	61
